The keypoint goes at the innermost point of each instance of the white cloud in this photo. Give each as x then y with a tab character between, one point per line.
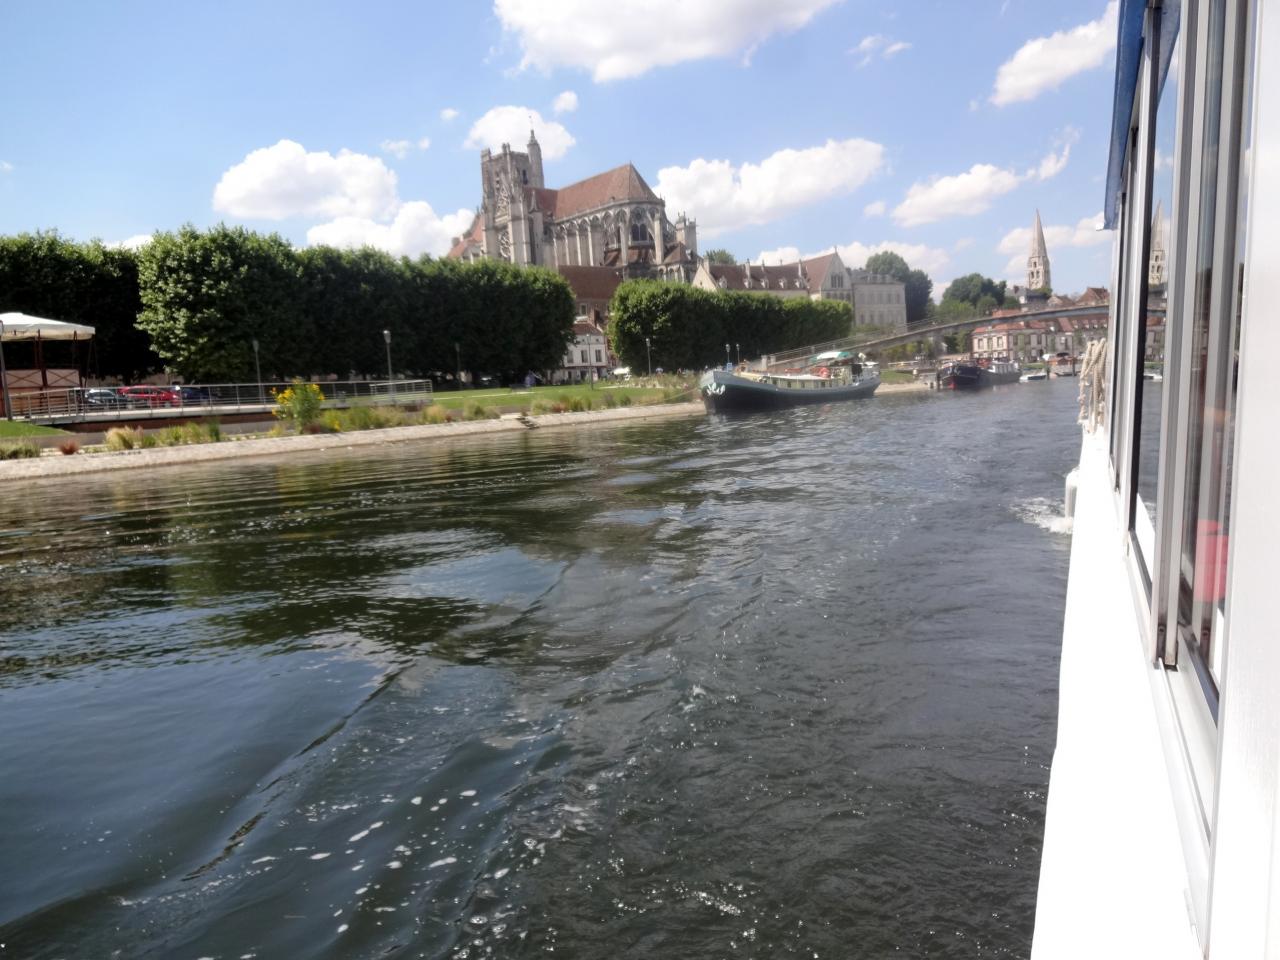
919	256
1084	234
618	40
397	148
878	45
415	229
875	209
778	255
448	113
284	180
424	143
6	166
971	192
724	197
512	124
1046	62
136	242
565	102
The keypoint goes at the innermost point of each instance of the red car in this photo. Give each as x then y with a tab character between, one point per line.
150	396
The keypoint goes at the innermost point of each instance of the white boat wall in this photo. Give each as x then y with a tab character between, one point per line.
1162	834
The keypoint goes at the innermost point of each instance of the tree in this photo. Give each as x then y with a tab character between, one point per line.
720	255
917	287
207	296
972	287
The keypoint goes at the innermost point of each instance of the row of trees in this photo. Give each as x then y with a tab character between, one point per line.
688	328
196	300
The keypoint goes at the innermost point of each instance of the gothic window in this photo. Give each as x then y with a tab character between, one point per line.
639	233
524	176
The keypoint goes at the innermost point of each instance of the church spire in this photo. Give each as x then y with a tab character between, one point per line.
1038	261
535	161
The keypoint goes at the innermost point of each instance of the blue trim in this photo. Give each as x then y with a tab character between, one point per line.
1128	64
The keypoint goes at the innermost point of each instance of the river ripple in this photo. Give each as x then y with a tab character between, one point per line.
763	687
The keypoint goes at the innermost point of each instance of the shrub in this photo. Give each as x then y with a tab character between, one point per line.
579	404
558	407
171	437
626	400
68	447
202	431
539	407
124	438
609	400
436	414
478	411
299	403
22	450
317	426
147	440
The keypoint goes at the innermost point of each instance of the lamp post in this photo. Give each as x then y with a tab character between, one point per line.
257	368
728	360
391	380
4	377
457	370
647	356
738	348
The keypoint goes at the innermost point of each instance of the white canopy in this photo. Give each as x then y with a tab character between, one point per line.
20	326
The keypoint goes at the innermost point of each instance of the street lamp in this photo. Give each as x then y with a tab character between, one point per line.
727	359
647	356
738	348
257	367
457	370
391	380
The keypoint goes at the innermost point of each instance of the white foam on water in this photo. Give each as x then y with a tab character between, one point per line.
358	836
467	793
416	801
362	891
318	856
1043	513
499	874
395	864
262	860
442	863
342	928
384	909
375	826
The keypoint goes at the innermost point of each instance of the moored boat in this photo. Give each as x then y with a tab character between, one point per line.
960	375
826	381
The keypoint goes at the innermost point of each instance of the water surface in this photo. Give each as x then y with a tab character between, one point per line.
763	687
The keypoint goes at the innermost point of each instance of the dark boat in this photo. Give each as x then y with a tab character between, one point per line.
824	382
971	376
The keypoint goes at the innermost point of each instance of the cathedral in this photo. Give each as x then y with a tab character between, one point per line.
612	220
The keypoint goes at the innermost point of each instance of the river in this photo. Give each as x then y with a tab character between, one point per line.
763	687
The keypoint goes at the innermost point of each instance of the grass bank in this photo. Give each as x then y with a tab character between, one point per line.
20	428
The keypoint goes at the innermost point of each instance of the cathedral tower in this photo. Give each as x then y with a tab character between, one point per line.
535	162
1038	262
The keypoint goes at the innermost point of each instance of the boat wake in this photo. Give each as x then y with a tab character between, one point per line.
1044	513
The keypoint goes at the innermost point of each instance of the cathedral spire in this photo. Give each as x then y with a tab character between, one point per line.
535	160
1038	261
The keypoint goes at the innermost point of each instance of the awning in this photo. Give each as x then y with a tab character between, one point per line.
1128	68
20	326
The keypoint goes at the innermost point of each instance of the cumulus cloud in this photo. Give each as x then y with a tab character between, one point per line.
1045	63
971	192
778	255
416	229
918	255
566	102
875	209
6	166
512	124
725	197
284	180
618	40
448	113
136	242
402	148
1085	233
877	45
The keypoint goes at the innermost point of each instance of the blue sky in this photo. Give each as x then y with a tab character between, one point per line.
937	128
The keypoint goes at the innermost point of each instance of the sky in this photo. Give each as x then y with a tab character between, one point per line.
935	128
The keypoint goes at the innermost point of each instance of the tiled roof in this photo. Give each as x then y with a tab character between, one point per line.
778	276
816	268
585	328
591	283
474	234
620	183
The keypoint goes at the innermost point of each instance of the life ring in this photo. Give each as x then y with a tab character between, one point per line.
822	372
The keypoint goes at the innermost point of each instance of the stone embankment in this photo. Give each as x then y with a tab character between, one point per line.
57	465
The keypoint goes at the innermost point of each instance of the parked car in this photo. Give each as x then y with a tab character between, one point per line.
148	396
102	398
198	396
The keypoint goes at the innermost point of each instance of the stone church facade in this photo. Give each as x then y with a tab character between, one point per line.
611	221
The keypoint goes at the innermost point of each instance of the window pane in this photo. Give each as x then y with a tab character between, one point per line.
1151	339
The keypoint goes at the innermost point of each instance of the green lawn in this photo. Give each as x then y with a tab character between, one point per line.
896	376
521	399
20	428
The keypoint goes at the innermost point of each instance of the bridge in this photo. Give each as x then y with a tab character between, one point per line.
937	331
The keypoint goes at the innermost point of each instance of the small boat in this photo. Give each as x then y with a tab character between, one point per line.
1033	375
827	378
958	375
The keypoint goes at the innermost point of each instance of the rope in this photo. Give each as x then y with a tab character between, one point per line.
1093	384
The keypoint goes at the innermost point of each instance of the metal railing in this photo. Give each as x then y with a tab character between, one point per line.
92	404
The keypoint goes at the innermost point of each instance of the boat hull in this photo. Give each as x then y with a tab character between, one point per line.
725	392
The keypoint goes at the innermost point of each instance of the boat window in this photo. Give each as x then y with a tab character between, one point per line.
1149	358
1214	332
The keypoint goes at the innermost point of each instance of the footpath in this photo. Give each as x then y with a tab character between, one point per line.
57	465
